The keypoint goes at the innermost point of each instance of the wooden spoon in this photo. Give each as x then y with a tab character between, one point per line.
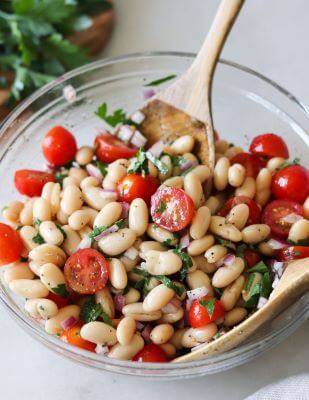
185	106
293	283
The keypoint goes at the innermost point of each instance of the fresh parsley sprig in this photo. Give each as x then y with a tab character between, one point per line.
92	311
141	163
117	117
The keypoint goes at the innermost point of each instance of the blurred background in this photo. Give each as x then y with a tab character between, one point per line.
270	37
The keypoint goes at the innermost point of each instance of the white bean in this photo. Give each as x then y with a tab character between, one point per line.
255	233
161	235
176	181
27	233
108	184
78	174
48	253
198	279
52	277
71	241
105	298
263	179
158	298
46	308
202	171
214	203
99	333
238	216
234	316
275	163
50	233
12	210
150	245
51	193
125	330
117	170
62	217
194	336
31	308
18	270
137	311
132	296
72	199
41	210
220	227
162	262
171	318
138	216
203	265
161	333
69	181
53	325
233	151
117	274
193	188
227	274
166	160
236	175
176	339
118	242
89	181
221	173
109	214
169	350
247	188
221	146
200	223
28	288
215	253
199	246
183	144
306	208
26	214
232	293
79	219
84	155
299	230
128	351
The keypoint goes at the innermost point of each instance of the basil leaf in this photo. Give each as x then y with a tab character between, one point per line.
209	305
225	243
186	263
260	267
254	296
266	287
167	242
161	80
141	163
60	290
170	284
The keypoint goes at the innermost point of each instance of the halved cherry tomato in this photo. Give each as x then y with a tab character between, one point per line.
251	257
59	146
275	211
199	316
150	353
86	271
251	162
254	209
72	336
109	148
60	301
30	182
135	186
269	145
291	183
293	253
11	245
172	208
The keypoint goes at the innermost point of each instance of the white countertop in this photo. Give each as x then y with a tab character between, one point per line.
270	37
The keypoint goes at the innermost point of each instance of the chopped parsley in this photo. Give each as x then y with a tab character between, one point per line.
59	177
37	221
97	230
186	262
225	243
260	267
161	80
141	163
167	242
302	242
38	239
170	284
61	230
60	290
92	311
117	117
209	305
102	167
162	207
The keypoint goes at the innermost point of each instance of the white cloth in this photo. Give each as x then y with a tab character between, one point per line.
292	388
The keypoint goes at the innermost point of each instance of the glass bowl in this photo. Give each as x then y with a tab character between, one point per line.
244	104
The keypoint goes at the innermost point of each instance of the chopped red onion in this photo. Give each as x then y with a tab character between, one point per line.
94	172
277	244
125	209
131	253
112	229
101	349
275	281
119	301
148	93
188	164
69	93
157	148
138	139
184	241
229	259
137	117
125	133
261	303
85	243
139	326
291	218
195	294
277	267
68	323
172	307
146	333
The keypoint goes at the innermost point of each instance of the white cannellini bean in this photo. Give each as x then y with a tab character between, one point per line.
48	253
275	163
202	171
238	216
41	210
12	210
99	333
214	203
150	245
132	296
52	277
197	279
221	173
89	181
92	213
117	274
118	242
175	181
158	298
200	223
227	274
69	181
18	270
162	262
176	339
199	246
263	179
171	318
220	227
299	230
125	330
215	253
183	144
161	235
51	192
137	311
28	288
26	214
247	188
50	233
234	316
53	325
169	350
27	233
35	268
161	333
109	214
72	240
232	293
194	336
117	170
84	155
193	188
46	308
233	151
255	233
62	217
166	160
105	298
108	184
203	265
72	199
31	308
236	175
78	174
128	351
79	219
138	216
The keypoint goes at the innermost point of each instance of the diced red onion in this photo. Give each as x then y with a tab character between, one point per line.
277	244
68	323
131	253
195	294
148	93
229	259
275	281
125	133
125	209
277	267
184	241
291	218
101	349
69	93
146	333
137	117
172	307
94	172
157	148
138	139
261	303
139	326
119	301
85	243
112	229
187	164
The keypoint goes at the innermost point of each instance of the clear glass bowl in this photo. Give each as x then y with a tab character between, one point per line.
245	103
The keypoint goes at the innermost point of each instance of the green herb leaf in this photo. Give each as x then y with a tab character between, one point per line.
141	163
254	295
59	177
185	172
177	160
101	166
92	311
162	207
37	221
120	223
186	262
160	81
97	230
226	243
60	290
296	161
61	230
38	239
266	287
170	284
260	267
218	291
158	163
167	242
209	305
303	242
118	116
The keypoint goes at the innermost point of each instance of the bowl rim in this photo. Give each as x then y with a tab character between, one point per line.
99	361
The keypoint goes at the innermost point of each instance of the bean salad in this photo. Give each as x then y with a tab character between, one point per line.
116	248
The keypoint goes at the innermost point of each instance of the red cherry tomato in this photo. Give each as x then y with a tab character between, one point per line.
275	211
11	245
135	186
251	257
251	162
60	301
172	208
291	183
110	149
269	145
59	146
199	316
150	353
254	209
72	336
86	271
293	253
30	182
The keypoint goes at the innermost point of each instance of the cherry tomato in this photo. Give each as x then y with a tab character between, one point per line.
172	208
11	245
110	149
269	145
291	183
254	209
251	257
30	182
150	353
199	316
275	211
60	301
293	253
86	271
72	336
59	146
135	186
251	162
